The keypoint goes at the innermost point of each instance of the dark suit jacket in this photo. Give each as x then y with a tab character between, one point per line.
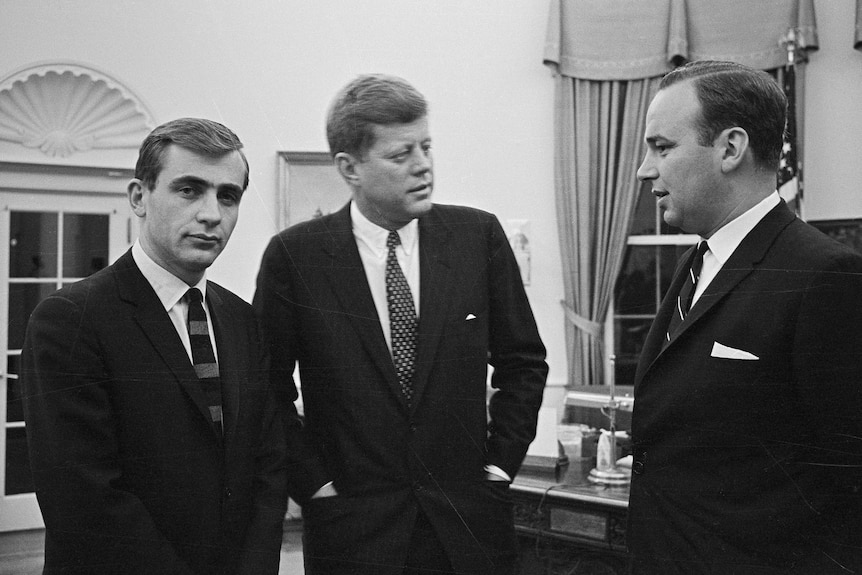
387	460
742	466
130	474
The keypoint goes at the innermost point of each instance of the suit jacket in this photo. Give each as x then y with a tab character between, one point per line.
130	473
753	465
388	460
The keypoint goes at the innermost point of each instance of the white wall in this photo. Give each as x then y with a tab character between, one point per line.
269	68
833	117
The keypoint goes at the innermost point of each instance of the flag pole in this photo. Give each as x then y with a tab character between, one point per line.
789	179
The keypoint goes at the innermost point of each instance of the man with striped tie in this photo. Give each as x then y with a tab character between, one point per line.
154	442
747	426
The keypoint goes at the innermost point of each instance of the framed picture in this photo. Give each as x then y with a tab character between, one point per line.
309	186
845	231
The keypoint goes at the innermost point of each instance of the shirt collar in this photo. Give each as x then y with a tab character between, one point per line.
169	288
374	236
725	241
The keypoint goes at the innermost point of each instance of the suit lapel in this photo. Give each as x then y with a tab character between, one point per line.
157	326
346	276
434	284
742	262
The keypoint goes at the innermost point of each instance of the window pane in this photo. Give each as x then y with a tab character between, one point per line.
85	244
636	286
23	299
13	364
14	405
644	218
33	245
629	336
18	478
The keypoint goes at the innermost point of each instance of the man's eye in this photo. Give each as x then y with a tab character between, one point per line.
228	198
187	190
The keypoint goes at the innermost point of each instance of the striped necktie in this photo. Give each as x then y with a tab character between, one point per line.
686	292
402	319
203	355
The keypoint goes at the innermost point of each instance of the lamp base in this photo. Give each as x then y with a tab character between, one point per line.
611	476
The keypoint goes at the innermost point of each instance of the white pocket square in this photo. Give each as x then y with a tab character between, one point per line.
719	350
469	317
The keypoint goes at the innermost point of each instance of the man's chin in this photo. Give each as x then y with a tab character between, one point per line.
421	207
203	259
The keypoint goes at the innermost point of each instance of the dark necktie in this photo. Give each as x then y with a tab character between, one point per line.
402	319
203	356
686	292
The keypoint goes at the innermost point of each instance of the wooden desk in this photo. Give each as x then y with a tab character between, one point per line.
568	525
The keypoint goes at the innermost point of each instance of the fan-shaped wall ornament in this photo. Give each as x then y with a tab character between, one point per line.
66	108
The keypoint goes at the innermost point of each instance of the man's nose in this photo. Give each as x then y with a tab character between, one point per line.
209	209
647	170
422	162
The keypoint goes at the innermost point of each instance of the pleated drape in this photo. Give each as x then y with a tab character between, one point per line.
600	143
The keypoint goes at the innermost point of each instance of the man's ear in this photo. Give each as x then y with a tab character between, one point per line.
346	165
735	144
136	197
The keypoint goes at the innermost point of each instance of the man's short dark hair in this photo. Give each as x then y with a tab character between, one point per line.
735	95
204	137
371	99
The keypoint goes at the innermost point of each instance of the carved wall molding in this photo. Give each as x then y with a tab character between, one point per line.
64	108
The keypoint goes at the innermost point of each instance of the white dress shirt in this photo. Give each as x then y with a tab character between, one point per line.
724	242
371	241
170	290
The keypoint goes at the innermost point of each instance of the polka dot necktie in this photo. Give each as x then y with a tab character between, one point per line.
686	292
402	319
203	355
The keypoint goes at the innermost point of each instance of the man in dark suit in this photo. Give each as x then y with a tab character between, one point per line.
154	442
747	426
407	468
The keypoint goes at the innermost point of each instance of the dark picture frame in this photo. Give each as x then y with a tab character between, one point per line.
847	231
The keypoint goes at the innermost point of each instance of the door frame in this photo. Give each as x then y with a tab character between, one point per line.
25	186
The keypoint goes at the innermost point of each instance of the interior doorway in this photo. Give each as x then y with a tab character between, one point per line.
48	239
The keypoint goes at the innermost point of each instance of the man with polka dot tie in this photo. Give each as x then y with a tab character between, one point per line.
394	307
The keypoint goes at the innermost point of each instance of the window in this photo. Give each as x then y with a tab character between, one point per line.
652	250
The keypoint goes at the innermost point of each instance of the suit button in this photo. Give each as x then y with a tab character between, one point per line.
227	493
417	486
412	428
639	462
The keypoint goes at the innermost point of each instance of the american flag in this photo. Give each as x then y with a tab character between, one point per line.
789	181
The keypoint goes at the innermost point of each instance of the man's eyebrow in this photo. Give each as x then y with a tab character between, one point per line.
201	182
231	188
189	179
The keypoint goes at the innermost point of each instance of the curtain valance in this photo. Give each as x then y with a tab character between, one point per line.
631	39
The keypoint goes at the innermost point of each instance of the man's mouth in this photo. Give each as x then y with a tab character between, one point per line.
420	188
659	193
205	238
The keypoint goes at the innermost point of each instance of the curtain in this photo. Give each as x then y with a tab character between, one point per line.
608	57
599	147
